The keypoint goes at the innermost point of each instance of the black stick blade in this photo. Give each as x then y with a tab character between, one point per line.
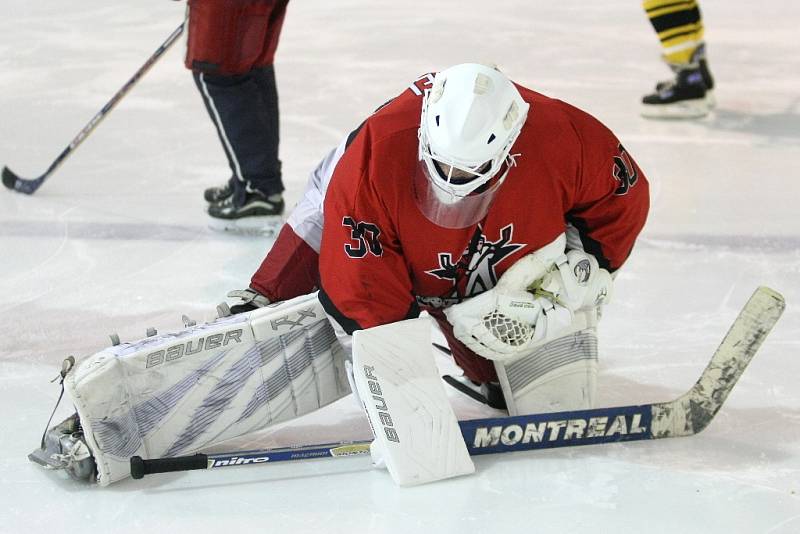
15	183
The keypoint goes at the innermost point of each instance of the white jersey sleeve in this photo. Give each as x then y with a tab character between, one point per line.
306	218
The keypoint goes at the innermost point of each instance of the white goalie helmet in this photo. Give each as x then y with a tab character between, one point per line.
471	117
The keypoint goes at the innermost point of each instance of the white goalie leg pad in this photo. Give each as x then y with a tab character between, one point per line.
558	376
178	393
417	436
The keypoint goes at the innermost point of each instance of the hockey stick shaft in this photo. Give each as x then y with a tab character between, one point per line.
28	186
686	415
140	467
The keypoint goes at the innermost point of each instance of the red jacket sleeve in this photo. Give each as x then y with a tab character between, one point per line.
611	198
364	278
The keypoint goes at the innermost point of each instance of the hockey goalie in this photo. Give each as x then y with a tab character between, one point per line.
500	212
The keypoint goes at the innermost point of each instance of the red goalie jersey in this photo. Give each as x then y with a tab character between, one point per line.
381	260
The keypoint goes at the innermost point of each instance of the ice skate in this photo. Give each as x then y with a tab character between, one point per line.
689	95
218	193
683	98
256	214
708	79
64	447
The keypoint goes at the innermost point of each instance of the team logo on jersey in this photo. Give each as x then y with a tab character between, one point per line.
624	172
475	271
366	236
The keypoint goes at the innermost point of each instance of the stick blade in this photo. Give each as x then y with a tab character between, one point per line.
694	411
12	181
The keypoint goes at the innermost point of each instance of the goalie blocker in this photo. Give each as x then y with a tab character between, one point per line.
417	437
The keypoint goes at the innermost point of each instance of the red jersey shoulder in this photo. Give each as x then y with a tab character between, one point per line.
555	111
576	135
380	153
400	113
605	160
385	144
548	128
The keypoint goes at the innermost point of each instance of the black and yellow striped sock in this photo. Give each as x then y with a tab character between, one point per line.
679	26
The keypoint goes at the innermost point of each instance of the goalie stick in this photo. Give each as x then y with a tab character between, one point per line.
685	416
29	186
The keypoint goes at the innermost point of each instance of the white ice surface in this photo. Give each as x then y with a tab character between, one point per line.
116	241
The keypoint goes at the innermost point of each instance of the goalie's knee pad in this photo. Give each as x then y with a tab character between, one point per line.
177	393
560	375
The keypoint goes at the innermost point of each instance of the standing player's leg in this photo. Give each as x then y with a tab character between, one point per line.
230	51
679	26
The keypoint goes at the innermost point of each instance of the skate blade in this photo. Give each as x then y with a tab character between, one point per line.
40	456
711	99
84	469
680	110
262	226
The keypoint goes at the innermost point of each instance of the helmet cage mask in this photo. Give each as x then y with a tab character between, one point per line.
494	110
481	171
465	139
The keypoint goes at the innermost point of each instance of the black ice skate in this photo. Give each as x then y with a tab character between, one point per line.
708	79
689	95
219	193
255	213
683	98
